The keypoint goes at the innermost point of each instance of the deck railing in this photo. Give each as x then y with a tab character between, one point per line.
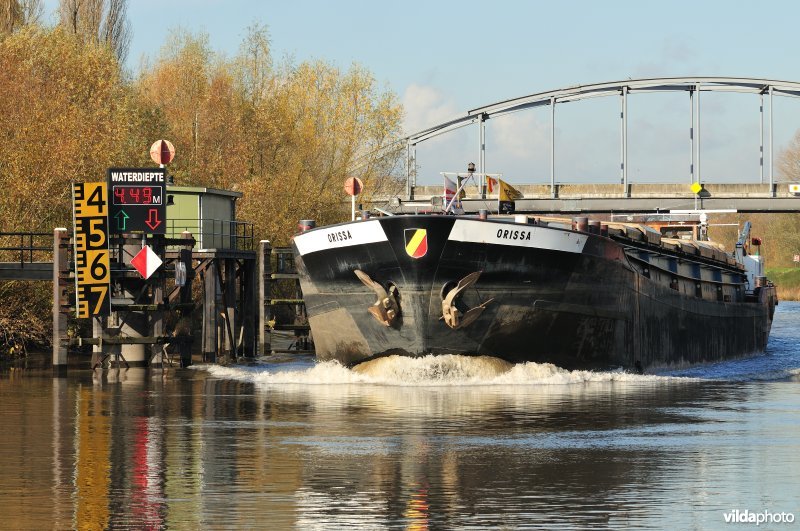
26	247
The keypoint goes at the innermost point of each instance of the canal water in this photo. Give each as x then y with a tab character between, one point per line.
429	443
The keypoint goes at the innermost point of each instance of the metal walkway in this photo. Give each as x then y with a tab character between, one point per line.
26	256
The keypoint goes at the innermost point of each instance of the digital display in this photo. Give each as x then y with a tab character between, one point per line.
137	200
137	195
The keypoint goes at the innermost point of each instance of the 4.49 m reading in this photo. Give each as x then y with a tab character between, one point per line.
137	195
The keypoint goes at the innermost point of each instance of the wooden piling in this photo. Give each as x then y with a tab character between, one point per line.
210	312
60	257
97	333
185	345
229	300
249	309
264	309
157	317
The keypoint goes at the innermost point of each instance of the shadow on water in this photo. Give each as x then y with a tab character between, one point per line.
439	443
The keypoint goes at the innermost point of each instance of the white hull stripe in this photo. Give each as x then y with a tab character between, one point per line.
340	236
517	235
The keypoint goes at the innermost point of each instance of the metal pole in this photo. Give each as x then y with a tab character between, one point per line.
624	142
408	169
552	147
771	145
413	170
482	154
761	137
691	136
697	159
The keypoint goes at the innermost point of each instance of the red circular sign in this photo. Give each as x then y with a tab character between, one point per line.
162	152
353	186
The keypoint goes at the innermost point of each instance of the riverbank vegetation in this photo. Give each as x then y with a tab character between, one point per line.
286	134
787	279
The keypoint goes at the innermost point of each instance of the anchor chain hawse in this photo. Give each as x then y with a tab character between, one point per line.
453	317
387	308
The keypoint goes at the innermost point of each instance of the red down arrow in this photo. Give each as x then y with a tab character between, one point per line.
152	220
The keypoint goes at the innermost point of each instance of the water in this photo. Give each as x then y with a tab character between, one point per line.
432	443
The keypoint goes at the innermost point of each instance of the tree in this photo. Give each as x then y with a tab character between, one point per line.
65	114
287	135
789	161
98	21
17	13
322	125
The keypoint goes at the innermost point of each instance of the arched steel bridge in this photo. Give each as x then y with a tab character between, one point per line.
693	86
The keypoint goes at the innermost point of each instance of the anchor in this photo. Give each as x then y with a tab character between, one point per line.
452	316
386	308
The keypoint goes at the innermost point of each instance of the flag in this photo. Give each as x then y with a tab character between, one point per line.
491	184
463	193
508	192
450	189
506	196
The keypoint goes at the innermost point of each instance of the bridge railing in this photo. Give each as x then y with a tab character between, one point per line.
215	233
26	247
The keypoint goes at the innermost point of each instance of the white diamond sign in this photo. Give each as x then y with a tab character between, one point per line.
146	262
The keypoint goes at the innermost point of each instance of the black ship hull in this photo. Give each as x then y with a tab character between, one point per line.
528	293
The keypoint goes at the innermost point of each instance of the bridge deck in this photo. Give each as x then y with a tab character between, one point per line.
605	198
26	271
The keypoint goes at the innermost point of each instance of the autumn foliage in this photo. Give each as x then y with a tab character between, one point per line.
284	134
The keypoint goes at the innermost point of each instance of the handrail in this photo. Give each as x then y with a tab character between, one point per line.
215	233
27	245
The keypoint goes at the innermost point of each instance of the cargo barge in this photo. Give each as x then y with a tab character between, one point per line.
576	293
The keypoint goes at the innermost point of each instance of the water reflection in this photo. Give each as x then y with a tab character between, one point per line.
188	449
488	455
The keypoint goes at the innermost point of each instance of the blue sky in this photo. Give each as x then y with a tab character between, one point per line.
443	58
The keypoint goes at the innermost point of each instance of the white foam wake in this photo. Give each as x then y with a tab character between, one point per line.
443	370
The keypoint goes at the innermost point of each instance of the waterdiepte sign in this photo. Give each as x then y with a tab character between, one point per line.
92	263
138	200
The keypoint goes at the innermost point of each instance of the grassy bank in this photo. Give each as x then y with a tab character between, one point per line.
787	279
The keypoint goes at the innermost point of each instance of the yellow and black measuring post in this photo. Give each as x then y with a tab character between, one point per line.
92	263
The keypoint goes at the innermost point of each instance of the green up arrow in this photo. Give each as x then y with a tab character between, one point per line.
122	220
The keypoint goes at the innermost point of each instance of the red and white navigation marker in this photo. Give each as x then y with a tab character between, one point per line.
352	187
146	262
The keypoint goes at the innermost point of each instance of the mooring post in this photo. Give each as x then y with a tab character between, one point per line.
59	302
185	329
157	317
264	309
248	282
210	312
231	317
97	350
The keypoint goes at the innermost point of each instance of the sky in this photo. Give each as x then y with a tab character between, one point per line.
443	58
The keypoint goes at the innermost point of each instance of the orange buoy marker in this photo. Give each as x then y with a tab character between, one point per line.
162	152
352	187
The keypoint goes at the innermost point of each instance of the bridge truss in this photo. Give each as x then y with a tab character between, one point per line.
694	86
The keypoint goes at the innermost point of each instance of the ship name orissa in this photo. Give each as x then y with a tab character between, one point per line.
339	236
506	234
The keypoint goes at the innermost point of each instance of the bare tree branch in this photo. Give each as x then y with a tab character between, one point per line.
10	16
100	21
